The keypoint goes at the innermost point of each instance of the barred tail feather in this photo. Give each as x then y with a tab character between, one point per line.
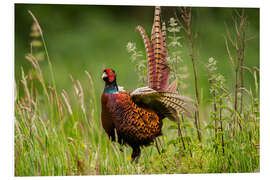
151	64
164	44
160	53
173	86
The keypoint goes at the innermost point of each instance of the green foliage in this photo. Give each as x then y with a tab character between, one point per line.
179	69
141	64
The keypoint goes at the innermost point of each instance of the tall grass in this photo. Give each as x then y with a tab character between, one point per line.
58	131
185	24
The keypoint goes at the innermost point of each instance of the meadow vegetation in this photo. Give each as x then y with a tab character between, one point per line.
58	131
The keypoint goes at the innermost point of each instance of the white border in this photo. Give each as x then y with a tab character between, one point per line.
7	81
202	3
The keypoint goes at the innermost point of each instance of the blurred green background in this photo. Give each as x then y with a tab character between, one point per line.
92	37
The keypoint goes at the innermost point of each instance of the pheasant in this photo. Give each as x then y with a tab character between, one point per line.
136	117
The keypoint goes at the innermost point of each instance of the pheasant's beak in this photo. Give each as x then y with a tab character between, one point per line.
104	75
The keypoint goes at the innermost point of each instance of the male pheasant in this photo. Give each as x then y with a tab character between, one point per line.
136	117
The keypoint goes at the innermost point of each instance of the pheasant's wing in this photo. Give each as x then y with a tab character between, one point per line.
156	49
163	103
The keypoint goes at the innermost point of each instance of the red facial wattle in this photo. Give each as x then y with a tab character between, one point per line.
111	75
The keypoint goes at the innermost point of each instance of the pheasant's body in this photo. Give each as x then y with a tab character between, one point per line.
134	125
136	118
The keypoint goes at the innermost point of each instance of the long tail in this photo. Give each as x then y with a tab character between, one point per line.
156	49
160	52
151	63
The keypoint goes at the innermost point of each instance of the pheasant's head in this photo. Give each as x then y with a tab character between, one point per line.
109	75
